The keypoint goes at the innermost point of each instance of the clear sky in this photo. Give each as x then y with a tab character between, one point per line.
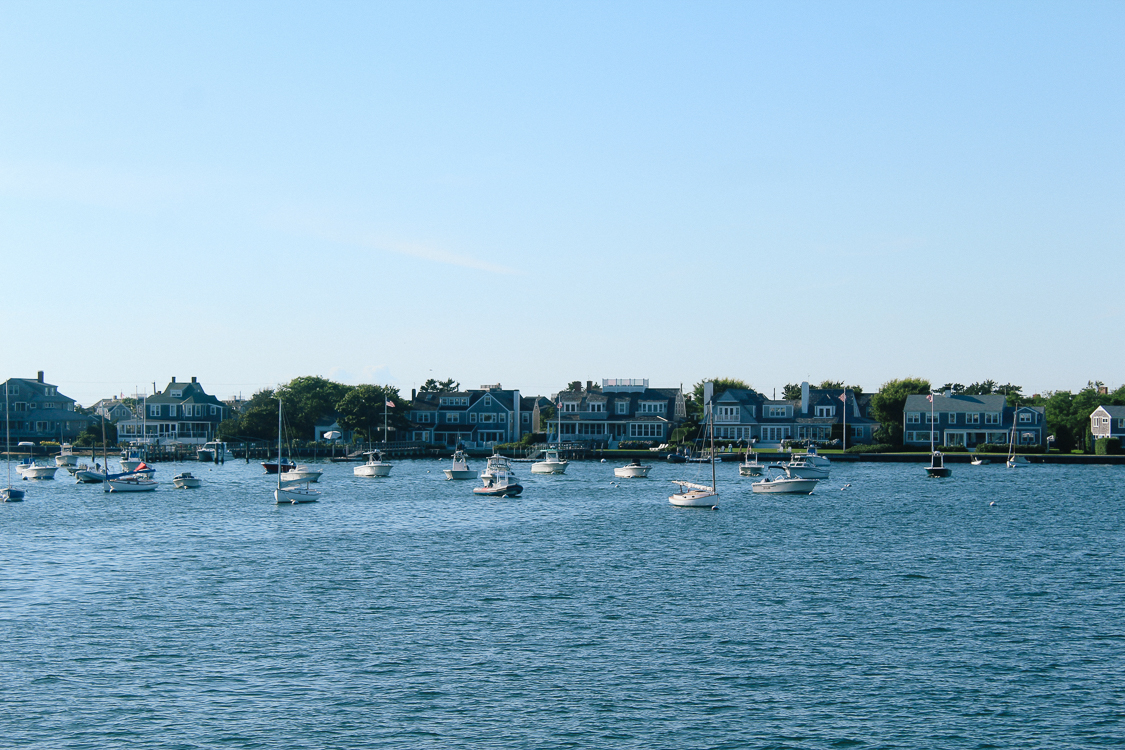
533	193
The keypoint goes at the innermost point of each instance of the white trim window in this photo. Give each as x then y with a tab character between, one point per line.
913	417
570	407
154	410
778	411
622	407
992	417
826	411
651	407
646	430
952	417
453	418
972	419
598	407
1025	418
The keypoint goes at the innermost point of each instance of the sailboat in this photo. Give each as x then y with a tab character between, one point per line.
937	466
1014	461
692	495
9	494
376	465
290	493
552	463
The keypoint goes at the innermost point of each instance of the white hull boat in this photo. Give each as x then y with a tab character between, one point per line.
805	470
978	461
751	467
1016	462
375	466
295	495
205	454
186	481
66	457
695	496
551	463
36	471
632	471
137	484
301	473
460	468
785	484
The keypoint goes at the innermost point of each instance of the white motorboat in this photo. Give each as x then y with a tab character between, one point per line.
551	463
692	495
375	466
133	483
751	466
131	458
9	494
499	479
632	470
289	493
215	451
802	469
32	470
784	484
460	468
301	473
66	457
186	481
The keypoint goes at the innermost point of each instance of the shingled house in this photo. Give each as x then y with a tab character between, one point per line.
181	413
36	411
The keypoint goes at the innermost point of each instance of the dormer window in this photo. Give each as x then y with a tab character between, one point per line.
570	406
622	407
595	407
177	394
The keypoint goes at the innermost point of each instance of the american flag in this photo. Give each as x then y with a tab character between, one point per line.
390	403
930	398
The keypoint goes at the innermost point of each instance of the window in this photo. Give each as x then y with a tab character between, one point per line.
40	426
13	389
652	407
622	407
913	418
598	406
525	418
49	405
726	413
1025	418
423	416
154	410
972	419
952	418
992	418
857	432
172	410
473	417
569	406
177	394
502	417
646	429
214	410
825	411
19	406
596	428
775	433
452	418
487	418
778	411
1121	422
931	418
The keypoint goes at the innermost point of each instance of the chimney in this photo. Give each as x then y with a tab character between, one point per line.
40	376
805	397
193	378
413	394
1103	390
948	394
173	379
589	385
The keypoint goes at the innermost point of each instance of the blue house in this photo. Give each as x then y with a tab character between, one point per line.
479	418
744	415
620	410
37	411
960	420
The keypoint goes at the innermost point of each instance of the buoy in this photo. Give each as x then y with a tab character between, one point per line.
992	503
603	460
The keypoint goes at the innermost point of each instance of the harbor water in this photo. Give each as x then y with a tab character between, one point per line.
886	610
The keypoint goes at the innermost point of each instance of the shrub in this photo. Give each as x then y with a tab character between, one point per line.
636	444
1003	448
953	449
1107	446
873	448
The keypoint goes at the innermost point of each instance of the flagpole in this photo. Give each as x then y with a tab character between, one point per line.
845	397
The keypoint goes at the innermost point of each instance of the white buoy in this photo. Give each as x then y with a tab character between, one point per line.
603	460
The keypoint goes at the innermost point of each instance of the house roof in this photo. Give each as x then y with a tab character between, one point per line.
190	393
1117	412
958	402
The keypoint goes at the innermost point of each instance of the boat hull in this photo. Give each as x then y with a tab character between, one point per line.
938	471
294	496
11	495
300	476
271	466
187	483
695	499
205	455
510	490
132	485
460	474
66	460
128	465
785	486
750	470
372	470
631	472
39	472
549	467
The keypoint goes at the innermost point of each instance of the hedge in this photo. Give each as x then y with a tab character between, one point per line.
1107	446
1003	448
873	448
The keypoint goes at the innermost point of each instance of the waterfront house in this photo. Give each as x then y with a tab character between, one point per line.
744	415
113	409
1108	421
620	410
478	418
181	413
38	412
961	420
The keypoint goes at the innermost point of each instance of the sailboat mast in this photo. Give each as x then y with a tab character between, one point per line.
711	415
279	442
105	460
7	435
931	422
385	402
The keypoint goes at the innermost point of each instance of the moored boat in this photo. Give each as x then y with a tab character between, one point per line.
937	467
132	483
29	469
66	456
185	481
301	473
751	466
131	458
289	493
460	468
632	470
784	484
692	495
498	478
375	466
283	464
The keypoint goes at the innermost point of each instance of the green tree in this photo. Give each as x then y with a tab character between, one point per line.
791	391
695	400
306	399
362	408
983	388
258	418
887	405
449	385
826	384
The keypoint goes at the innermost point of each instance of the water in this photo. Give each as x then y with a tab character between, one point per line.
405	612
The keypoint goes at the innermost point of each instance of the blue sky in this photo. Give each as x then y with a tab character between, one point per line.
531	194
